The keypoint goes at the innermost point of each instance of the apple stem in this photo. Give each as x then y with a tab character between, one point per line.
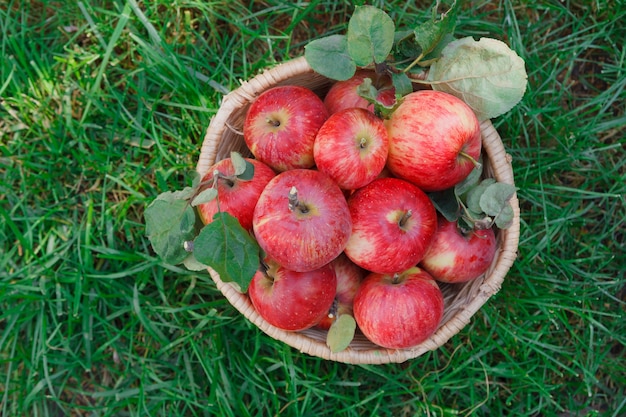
414	63
332	312
474	161
362	143
294	203
405	218
273	122
396	278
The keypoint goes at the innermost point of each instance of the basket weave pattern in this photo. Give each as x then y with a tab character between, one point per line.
462	301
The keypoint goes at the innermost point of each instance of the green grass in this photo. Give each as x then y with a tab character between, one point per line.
103	105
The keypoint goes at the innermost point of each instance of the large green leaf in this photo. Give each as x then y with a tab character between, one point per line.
229	249
486	74
370	35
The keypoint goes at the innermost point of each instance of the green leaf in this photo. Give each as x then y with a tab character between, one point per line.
370	35
405	44
341	333
204	197
446	204
169	223
505	219
434	55
248	172
495	202
229	249
192	264
329	57
239	163
474	194
495	197
470	181
171	196
486	74
431	33
367	90
402	83
196	178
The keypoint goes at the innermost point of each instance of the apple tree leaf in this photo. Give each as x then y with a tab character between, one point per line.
239	163
192	264
329	57
470	181
505	218
405	44
367	90
341	333
171	196
229	249
169	223
370	35
248	172
495	197
446	204
430	34
486	74
473	195
495	202
204	197
434	55
196	178
402	83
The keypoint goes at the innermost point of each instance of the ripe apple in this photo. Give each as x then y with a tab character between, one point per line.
235	196
393	223
434	140
349	277
281	124
398	311
302	220
292	300
455	256
343	94
351	147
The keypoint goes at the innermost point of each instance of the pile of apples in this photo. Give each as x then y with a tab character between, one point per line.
338	204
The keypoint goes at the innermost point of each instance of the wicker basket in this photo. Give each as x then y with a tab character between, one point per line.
462	301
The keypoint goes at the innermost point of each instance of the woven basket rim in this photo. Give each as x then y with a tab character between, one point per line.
501	164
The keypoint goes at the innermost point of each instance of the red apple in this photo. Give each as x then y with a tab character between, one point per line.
398	311
351	147
349	277
456	256
434	140
236	197
393	223
281	124
302	220
292	300
343	94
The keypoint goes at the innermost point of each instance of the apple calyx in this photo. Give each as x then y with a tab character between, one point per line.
274	122
405	218
396	279
269	268
362	143
294	203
